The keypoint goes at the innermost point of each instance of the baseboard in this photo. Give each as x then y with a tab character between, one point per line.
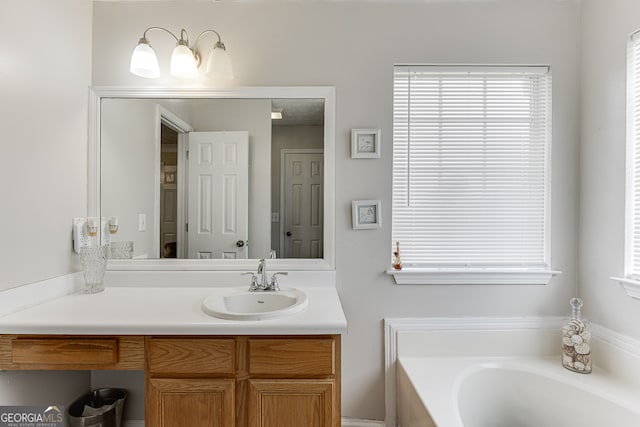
352	422
133	423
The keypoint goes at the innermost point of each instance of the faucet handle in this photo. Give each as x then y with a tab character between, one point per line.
254	280
274	280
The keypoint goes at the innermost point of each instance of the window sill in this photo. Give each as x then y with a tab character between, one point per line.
631	286
435	276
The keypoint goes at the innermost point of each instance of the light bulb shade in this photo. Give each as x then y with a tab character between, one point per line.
144	62
219	64
183	62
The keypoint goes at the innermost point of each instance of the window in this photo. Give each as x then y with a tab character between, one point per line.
632	249
471	157
631	279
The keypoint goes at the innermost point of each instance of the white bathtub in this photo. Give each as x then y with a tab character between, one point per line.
510	392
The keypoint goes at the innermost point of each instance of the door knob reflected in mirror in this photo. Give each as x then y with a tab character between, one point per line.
288	234
240	243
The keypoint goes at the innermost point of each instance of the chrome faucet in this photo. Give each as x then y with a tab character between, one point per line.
262	272
263	285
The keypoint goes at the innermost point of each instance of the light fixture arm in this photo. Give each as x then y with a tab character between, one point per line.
184	36
183	40
219	43
144	35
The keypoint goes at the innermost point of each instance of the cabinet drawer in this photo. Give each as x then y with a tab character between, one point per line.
65	351
185	356
292	357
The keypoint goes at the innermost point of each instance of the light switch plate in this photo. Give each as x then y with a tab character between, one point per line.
105	234
142	222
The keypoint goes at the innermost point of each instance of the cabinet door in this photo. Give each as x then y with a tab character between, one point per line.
292	403
190	403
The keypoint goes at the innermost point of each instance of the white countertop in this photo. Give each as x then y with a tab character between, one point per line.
166	311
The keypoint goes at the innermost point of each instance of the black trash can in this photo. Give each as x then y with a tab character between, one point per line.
99	408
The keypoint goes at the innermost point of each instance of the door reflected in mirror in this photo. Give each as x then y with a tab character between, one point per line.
214	178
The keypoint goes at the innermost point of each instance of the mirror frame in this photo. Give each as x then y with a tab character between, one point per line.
97	93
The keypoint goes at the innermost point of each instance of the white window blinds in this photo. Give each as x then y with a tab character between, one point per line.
632	252
471	150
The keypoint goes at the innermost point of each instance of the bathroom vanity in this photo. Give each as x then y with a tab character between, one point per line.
199	370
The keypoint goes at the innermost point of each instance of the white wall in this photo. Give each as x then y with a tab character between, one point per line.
128	139
42	388
353	46
43	123
606	26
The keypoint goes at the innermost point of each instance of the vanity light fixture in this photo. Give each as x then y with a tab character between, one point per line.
184	60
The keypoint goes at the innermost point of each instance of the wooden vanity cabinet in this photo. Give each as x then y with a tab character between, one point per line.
205	381
246	381
293	382
190	382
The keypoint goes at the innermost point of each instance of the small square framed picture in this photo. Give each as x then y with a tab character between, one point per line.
365	143
366	214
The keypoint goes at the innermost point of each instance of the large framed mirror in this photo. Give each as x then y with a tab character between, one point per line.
215	179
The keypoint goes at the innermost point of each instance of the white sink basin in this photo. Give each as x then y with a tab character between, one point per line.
240	304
